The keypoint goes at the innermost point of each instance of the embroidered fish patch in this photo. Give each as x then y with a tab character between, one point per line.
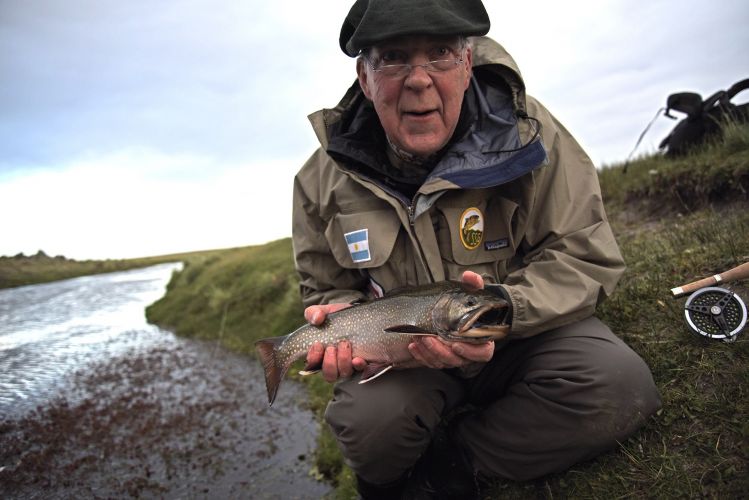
472	228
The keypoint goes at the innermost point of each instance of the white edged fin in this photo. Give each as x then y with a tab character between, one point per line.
377	370
305	373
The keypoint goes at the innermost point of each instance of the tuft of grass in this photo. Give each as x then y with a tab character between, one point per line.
735	138
715	174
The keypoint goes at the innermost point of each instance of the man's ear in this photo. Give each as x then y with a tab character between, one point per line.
469	66
361	71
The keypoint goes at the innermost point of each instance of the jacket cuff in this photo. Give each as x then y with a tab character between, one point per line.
500	291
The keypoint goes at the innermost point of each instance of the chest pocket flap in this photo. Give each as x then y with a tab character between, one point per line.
479	234
363	240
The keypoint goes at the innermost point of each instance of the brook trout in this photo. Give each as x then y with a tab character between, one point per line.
380	330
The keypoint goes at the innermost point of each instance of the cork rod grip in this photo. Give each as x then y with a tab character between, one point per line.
737	273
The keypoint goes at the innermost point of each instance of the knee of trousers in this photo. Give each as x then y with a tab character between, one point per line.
625	392
383	427
606	388
580	392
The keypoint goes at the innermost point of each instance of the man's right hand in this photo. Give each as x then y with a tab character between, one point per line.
336	361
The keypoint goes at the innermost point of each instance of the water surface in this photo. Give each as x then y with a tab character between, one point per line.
94	401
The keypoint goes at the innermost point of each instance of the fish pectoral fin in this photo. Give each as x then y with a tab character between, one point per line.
305	373
372	371
408	330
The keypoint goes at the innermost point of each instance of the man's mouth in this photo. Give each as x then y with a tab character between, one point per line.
420	113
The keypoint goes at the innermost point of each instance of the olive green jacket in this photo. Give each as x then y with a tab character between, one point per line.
516	200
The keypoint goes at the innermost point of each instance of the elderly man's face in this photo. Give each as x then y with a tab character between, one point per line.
419	111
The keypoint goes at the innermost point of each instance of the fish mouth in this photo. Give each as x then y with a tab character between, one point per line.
482	324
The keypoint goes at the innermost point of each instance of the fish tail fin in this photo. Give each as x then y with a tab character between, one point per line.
274	369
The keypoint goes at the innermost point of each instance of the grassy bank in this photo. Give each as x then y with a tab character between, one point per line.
675	220
236	297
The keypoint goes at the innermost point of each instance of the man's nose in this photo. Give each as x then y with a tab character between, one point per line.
418	77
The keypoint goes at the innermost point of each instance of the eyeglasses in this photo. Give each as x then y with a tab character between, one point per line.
401	70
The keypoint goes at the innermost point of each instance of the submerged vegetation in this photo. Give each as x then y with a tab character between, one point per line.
676	220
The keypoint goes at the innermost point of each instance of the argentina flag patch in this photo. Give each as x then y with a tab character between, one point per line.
358	245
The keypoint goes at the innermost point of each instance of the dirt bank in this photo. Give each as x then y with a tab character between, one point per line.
177	420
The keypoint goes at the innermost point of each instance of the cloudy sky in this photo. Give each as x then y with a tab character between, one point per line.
149	127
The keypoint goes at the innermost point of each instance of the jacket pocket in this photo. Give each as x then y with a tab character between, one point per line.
362	240
477	235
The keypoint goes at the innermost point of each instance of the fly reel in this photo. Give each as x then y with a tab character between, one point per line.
715	313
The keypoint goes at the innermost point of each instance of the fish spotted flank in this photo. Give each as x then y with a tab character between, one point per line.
380	330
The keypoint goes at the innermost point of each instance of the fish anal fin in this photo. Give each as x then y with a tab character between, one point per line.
372	371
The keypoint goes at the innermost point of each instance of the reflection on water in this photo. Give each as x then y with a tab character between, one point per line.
48	331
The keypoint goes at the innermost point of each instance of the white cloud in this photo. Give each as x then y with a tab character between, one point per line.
125	206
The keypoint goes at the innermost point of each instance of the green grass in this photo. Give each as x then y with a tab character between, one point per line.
675	220
237	296
697	444
715	175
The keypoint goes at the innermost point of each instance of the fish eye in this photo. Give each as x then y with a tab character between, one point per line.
471	301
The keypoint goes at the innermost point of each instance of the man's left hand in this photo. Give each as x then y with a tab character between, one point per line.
435	353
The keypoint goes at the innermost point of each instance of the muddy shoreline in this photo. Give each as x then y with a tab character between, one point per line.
179	419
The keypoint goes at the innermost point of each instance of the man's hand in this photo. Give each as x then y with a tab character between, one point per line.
472	280
336	362
316	315
435	353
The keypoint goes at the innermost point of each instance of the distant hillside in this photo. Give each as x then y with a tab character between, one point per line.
40	268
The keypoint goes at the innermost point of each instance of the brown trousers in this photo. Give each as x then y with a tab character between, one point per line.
539	406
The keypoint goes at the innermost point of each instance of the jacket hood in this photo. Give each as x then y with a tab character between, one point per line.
491	58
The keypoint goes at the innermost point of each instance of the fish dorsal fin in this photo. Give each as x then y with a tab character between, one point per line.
409	330
372	371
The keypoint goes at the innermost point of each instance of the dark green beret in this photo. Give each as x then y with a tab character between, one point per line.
372	21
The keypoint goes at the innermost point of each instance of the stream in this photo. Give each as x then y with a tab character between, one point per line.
97	403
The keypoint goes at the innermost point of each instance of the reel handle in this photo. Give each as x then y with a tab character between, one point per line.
737	273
